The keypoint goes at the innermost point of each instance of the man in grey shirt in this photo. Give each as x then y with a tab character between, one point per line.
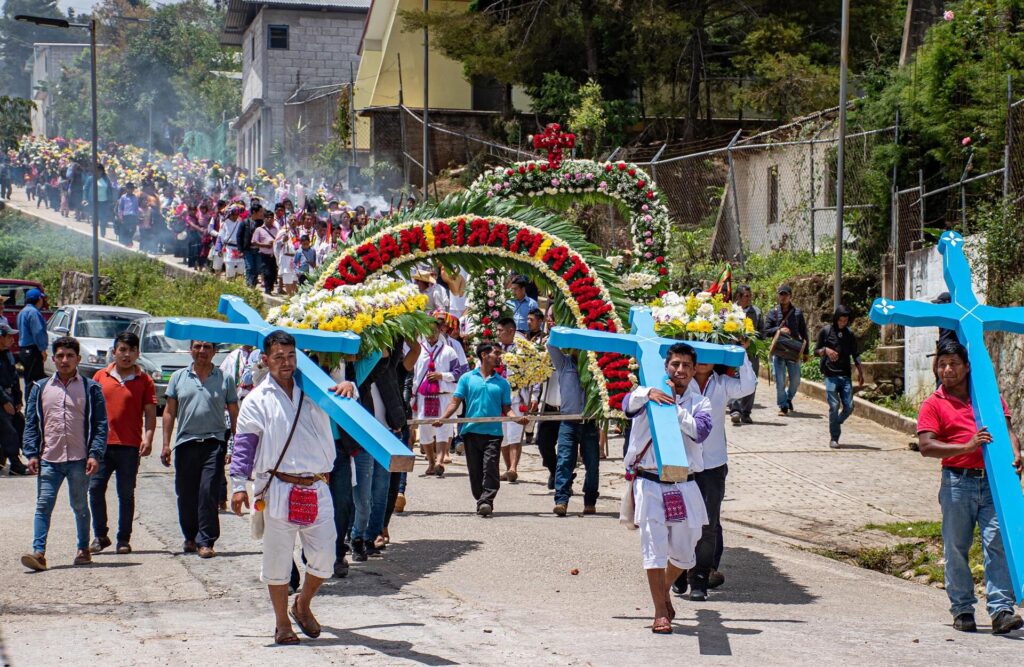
197	397
574	435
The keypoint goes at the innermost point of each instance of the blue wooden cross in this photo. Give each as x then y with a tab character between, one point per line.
649	350
246	327
971	320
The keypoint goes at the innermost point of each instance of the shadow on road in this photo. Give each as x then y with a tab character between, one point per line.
752	577
403	564
393	648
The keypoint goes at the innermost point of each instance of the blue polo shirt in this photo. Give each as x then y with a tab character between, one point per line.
520	309
484	398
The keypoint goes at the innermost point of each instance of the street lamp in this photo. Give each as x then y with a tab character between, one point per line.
844	50
91	26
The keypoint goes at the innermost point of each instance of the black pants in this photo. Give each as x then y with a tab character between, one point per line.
126	230
547	440
709	549
482	454
746	404
11	429
268	267
123	460
341	494
31	359
196	466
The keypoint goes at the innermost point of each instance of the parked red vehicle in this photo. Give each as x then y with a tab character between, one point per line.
12	295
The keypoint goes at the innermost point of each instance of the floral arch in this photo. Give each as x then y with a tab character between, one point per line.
626	186
551	250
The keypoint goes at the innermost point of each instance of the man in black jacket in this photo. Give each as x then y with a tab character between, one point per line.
12	420
836	346
250	253
787	319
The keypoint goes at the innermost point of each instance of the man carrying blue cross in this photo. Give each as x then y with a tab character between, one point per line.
284	438
967	425
664	455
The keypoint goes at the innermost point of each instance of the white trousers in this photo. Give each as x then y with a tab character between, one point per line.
233	267
512	431
318	539
428	433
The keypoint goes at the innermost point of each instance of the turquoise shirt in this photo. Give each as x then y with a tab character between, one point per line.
490	397
201	405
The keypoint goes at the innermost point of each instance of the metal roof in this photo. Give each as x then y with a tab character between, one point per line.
242	12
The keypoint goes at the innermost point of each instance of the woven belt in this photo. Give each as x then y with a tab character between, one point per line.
654	477
324	477
967	472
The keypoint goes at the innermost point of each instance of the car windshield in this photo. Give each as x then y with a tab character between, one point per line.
101	325
156	342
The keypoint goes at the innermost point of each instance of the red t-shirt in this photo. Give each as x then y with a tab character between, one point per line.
125	404
952	421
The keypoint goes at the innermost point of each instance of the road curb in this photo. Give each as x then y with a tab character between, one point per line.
862	408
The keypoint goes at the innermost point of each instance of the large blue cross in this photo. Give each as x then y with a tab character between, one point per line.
971	320
649	350
246	327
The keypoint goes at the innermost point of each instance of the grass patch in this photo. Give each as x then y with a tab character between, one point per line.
900	403
32	250
920	559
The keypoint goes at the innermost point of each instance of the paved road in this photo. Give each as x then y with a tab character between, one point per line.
457	589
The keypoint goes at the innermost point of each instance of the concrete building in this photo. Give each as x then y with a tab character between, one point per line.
48	62
287	46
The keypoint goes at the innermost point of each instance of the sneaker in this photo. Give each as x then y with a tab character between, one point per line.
698	594
965	623
590	509
715	579
747	419
124	548
400	503
359	554
83	557
484	509
737	418
561	509
681	583
1006	621
833	444
341	568
34	561
99	544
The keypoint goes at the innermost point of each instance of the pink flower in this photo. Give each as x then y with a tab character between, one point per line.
648	241
966	141
948	15
555	182
645	208
648	255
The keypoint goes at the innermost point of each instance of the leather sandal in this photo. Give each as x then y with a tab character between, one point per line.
286	637
662	626
310	627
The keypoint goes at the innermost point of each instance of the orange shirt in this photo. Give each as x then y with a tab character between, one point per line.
126	402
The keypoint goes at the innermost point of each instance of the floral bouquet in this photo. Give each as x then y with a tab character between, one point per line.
704	316
487	303
528	365
381	311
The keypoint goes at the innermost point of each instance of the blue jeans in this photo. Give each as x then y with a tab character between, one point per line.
572	437
840	394
966	502
252	266
781	369
372	481
341	495
51	477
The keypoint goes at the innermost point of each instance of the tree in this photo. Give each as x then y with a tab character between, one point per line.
17	37
15	120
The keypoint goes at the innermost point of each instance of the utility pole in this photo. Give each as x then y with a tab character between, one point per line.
840	156
426	100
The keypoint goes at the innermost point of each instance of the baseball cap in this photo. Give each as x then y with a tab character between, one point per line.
33	295
6	329
784	289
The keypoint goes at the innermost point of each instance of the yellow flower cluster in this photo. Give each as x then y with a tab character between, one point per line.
527	365
350	308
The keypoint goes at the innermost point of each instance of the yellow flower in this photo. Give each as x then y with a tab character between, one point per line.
539	255
428	232
731	327
748	325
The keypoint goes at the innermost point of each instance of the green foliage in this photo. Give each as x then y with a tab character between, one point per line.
17	37
899	403
909	528
15	120
35	251
1004	237
587	118
335	154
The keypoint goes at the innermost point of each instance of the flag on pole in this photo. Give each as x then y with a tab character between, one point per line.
723	285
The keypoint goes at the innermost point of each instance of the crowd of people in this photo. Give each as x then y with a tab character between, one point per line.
304	478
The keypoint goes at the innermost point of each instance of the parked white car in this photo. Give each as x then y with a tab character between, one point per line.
95	327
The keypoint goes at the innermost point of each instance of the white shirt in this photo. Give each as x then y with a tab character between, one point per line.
437	298
687	406
460	351
268	412
444	356
721	389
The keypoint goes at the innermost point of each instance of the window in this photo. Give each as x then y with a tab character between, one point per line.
59	319
773	194
277	37
101	325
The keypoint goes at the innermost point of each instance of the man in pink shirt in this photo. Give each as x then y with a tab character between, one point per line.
65	438
946	430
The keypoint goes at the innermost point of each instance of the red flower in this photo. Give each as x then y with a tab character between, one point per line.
662	292
543	166
622	166
333	282
659	259
662	271
640	184
608	167
650	194
508	172
487	333
522	169
523	408
631	172
532	166
485	320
